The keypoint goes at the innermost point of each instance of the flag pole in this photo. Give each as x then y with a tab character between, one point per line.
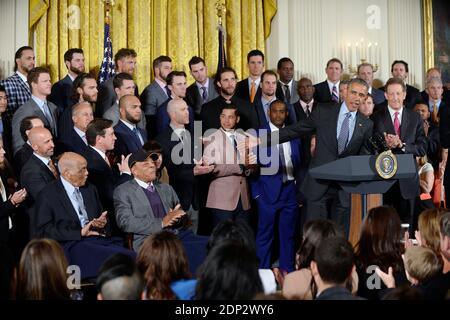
221	12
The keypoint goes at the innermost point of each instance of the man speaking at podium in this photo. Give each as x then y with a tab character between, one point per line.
341	131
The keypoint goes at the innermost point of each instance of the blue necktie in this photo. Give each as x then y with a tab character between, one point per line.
205	94
136	133
1	127
82	214
334	95
344	133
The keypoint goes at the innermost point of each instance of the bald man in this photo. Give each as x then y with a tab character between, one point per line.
130	137
68	210
75	139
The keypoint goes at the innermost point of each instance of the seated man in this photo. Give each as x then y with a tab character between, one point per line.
68	210
24	153
144	207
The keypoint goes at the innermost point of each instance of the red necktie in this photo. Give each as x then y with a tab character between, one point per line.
396	124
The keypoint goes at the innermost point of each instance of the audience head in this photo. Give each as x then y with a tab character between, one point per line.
305	89
85	88
421	264
422	109
42	272
226	81
119	279
155	152
268	84
334	70
367	106
399	70
40	82
435	89
445	235
285	68
100	134
365	72
3	99
130	109
73	168
343	86
395	93
238	231
82	115
356	94
123	84
41	141
125	60
24	60
74	61
178	112
176	81
278	113
162	66
379	242
229	117
226	275
433	73
162	260
198	68
142	166
333	262
255	60
314	232
29	123
428	224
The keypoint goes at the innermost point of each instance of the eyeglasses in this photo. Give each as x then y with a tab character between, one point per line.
154	156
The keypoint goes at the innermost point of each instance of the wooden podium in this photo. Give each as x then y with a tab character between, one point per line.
357	175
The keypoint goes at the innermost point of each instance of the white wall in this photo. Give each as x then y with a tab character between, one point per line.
14	29
311	32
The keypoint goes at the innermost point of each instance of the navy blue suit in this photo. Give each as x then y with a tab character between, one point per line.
163	119
61	94
57	219
127	142
71	142
378	96
276	199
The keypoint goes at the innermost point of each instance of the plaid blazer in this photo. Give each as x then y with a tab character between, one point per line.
18	93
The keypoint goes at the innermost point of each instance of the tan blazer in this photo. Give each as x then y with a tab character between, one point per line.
229	182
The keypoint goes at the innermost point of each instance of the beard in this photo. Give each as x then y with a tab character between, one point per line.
131	119
89	98
228	91
76	71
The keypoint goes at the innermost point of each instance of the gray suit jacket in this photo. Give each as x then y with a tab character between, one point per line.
114	115
30	108
106	97
134	213
152	97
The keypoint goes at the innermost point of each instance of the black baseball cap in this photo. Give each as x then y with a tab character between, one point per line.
138	156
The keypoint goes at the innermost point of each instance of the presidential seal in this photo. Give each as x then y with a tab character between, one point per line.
386	164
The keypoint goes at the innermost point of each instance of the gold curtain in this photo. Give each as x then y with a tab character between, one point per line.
177	28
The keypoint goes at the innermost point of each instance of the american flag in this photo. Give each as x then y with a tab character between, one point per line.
107	68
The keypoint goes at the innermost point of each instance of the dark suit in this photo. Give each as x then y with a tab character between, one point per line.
194	99
62	92
412	95
444	134
243	90
6	211
411	133
35	176
337	293
322	92
181	176
127	142
323	121
210	114
294	95
57	219
21	157
71	142
152	97
65	121
105	179
378	96
276	199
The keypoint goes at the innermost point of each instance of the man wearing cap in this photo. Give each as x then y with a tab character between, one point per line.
145	206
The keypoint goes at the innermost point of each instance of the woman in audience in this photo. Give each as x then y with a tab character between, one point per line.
155	150
379	245
300	284
42	272
230	272
164	264
428	234
240	231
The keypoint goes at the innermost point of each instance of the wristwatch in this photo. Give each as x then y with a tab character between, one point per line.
404	147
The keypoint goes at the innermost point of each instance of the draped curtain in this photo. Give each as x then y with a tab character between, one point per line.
177	28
